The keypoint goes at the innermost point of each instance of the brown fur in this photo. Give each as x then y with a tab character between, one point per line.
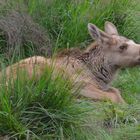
94	67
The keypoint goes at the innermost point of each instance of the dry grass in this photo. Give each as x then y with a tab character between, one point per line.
18	29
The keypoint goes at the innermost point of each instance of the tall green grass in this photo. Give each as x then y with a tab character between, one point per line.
43	108
47	108
67	20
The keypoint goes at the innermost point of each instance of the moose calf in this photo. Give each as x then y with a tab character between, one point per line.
95	66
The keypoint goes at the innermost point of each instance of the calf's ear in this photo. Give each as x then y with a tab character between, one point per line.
97	34
94	31
110	28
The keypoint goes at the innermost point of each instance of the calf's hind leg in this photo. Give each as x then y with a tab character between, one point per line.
33	65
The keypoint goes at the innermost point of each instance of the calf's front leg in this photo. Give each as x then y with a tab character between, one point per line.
94	93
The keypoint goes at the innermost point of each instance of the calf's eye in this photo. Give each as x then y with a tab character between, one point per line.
123	47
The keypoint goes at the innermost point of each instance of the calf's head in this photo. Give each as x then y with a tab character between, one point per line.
118	50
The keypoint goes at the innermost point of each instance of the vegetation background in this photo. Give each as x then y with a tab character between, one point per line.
47	108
